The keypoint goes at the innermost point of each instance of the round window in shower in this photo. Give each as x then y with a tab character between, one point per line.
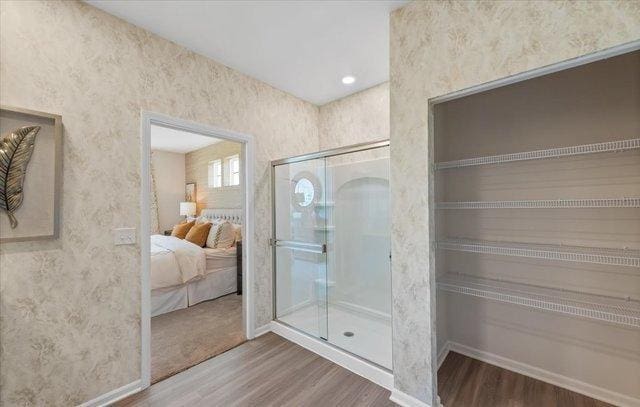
306	190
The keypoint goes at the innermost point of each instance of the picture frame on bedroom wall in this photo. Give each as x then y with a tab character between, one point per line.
190	192
31	166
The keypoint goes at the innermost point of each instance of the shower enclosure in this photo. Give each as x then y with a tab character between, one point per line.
331	248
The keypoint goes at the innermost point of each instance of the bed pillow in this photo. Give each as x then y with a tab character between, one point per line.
180	230
198	234
211	239
227	236
237	229
224	236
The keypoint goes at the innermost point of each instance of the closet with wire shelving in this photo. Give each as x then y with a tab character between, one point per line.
537	227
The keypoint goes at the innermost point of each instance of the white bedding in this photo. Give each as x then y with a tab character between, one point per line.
175	261
219	259
184	274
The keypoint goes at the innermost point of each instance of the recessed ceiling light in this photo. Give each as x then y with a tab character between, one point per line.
348	80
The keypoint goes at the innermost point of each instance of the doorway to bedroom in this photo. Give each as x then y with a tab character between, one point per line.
193	296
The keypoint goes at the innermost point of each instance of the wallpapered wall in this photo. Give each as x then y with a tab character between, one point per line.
72	305
70	308
197	164
438	48
358	118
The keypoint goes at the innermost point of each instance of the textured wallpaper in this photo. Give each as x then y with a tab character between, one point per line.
358	118
69	316
438	48
69	309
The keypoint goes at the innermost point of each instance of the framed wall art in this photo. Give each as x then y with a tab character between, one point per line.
190	192
30	174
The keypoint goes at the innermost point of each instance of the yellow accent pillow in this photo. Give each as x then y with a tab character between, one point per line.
198	234
180	230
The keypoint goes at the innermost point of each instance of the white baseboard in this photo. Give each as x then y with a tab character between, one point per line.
114	395
404	400
442	355
262	330
556	379
350	362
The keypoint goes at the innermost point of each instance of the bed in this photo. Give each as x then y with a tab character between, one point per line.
184	274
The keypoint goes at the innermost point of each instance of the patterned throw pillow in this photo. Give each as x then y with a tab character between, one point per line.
225	236
211	239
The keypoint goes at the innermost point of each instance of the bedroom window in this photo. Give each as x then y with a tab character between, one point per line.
215	174
232	170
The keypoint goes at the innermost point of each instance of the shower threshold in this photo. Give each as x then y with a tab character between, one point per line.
375	373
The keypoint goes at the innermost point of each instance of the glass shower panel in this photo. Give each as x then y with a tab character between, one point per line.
358	254
300	246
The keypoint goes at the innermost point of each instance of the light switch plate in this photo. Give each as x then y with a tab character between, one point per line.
124	236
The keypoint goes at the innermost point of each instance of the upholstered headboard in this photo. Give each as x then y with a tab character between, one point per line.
232	215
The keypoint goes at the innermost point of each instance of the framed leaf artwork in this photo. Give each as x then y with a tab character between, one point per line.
30	174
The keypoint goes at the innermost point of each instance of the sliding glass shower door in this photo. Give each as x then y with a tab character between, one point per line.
332	247
300	246
358	262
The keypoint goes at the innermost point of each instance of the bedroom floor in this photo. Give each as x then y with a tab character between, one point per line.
184	338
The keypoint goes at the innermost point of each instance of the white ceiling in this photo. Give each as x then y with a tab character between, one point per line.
303	47
178	141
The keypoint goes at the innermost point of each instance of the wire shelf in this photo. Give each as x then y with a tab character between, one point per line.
601	308
544	204
610	146
617	257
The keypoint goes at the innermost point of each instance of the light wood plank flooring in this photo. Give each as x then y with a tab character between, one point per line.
463	381
268	371
271	371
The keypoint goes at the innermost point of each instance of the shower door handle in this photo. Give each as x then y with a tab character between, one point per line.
302	246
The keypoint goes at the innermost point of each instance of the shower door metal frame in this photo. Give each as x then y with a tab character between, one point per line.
329	153
273	242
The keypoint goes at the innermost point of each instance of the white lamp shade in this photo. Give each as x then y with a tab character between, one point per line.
187	208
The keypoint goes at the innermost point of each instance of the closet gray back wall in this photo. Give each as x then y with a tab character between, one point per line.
594	103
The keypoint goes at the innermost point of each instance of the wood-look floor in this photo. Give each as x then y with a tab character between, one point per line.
465	382
268	371
271	371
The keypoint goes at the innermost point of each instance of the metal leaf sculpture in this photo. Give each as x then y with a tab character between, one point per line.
15	152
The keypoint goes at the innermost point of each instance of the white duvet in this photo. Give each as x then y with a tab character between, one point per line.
175	261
